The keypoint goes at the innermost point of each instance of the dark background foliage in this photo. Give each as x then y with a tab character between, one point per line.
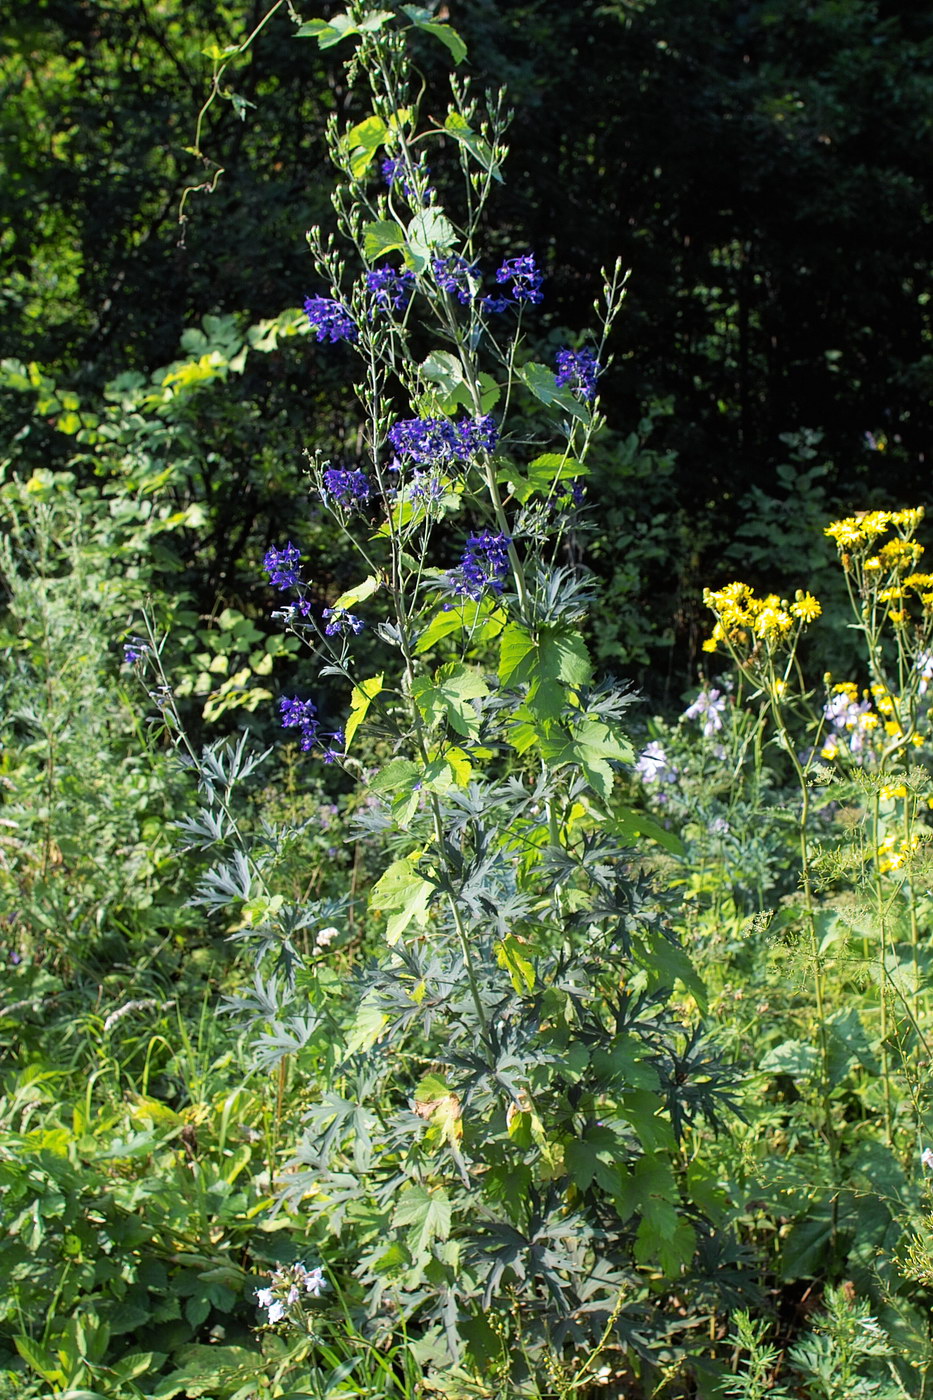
763	168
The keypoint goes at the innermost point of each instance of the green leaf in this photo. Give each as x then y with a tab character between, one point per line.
331	32
630	824
360	593
384	236
592	1157
443	369
481	621
543	384
457	127
403	894
590	744
362	142
423	19
426	1212
429	232
360	701
556	655
448	697
41	1361
510	956
792	1057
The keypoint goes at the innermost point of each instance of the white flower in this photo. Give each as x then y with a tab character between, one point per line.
277	1311
927	1158
264	1297
325	937
314	1282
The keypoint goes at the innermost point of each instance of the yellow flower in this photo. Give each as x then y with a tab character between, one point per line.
892	790
901	554
873	564
908	519
805	606
848	688
846	533
773	623
899	617
893	728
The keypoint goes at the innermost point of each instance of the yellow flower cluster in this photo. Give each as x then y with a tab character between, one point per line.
743	619
859	532
894	854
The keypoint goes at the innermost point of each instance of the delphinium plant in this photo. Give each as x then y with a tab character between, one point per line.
496	1107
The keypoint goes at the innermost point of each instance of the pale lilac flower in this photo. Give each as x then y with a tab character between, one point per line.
926	1158
652	765
708	707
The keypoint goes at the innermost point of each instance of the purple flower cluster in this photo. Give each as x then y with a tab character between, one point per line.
390	289
457	276
330	320
340	621
525	277
434	441
577	370
282	566
484	565
133	651
302	715
395	172
349	489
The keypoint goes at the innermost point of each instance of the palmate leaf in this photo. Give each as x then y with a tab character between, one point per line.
448	696
403	895
426	1212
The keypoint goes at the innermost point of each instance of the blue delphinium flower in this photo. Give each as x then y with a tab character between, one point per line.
457	276
577	370
525	277
395	172
330	320
390	289
282	566
133	651
484	565
349	489
494	305
300	714
478	434
435	441
340	621
334	750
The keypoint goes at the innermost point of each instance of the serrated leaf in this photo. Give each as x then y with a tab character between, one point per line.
383	236
448	695
426	1212
429	232
542	382
481	620
403	895
360	701
511	957
362	142
443	369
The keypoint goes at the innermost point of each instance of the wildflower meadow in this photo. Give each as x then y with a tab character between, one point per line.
457	937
